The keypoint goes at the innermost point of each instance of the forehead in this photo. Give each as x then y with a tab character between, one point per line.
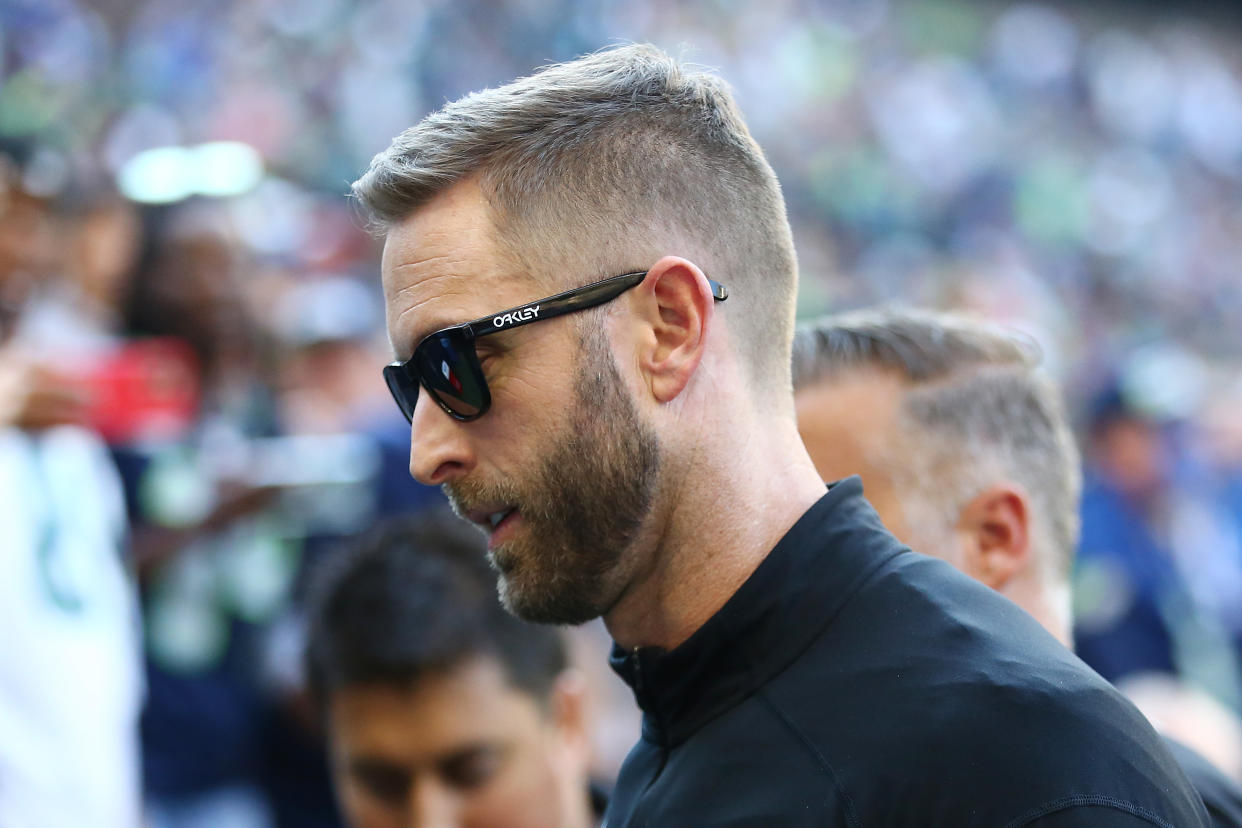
442	266
850	419
851	424
434	715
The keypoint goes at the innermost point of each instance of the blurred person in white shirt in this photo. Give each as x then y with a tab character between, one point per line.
70	673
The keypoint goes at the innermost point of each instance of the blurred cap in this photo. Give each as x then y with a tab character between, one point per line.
1159	383
36	170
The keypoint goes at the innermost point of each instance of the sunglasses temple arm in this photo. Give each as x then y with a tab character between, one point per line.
558	305
569	302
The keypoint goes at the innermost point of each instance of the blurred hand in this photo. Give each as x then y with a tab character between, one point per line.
238	500
34	395
153	545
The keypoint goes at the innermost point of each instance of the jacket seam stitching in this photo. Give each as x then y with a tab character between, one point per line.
850	816
1087	800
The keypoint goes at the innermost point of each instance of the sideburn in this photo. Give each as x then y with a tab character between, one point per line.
596	488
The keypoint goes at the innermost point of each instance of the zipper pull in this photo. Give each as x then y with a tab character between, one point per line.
640	686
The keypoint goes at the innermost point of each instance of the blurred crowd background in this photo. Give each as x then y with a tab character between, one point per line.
177	251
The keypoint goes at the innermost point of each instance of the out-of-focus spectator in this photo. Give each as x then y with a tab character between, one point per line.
964	447
77	316
442	708
70	678
216	561
1160	572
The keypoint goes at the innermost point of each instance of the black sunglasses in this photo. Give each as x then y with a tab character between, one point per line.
446	364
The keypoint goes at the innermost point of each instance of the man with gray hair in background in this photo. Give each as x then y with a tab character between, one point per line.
590	281
965	450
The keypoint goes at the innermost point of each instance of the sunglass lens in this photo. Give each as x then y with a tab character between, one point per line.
404	387
450	371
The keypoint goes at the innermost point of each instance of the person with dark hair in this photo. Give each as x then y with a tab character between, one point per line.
965	449
590	282
441	708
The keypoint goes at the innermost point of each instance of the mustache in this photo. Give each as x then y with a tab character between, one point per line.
465	496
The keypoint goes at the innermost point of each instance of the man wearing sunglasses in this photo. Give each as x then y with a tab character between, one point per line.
590	280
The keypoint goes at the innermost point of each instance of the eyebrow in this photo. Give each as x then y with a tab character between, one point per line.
368	764
440	324
473	321
425	331
385	776
468	749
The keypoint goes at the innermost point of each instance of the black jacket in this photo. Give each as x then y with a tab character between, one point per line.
1220	794
852	682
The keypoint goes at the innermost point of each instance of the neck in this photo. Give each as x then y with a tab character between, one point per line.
1048	605
725	513
578	811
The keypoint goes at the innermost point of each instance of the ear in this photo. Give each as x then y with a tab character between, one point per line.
993	529
568	712
675	309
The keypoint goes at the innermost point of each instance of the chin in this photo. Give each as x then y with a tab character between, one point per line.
543	603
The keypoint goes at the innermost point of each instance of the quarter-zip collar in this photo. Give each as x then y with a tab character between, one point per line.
772	618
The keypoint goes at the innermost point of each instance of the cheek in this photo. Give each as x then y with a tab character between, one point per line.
889	506
961	543
527	418
539	371
527	391
930	533
523	795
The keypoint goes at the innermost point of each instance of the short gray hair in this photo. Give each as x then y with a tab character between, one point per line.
606	163
977	408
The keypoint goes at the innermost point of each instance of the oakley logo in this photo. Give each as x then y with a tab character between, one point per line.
523	315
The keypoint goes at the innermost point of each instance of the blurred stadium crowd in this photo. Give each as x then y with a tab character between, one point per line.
174	239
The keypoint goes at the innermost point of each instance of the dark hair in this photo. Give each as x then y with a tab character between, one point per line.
415	597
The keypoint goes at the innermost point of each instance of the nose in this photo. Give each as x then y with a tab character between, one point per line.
440	448
432	805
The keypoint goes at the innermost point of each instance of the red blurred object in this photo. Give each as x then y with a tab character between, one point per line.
147	389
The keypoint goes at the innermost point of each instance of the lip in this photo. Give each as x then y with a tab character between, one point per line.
501	531
504	530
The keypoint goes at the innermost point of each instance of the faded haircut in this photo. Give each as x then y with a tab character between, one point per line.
602	165
977	409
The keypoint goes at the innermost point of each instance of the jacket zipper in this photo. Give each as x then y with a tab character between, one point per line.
647	700
640	686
